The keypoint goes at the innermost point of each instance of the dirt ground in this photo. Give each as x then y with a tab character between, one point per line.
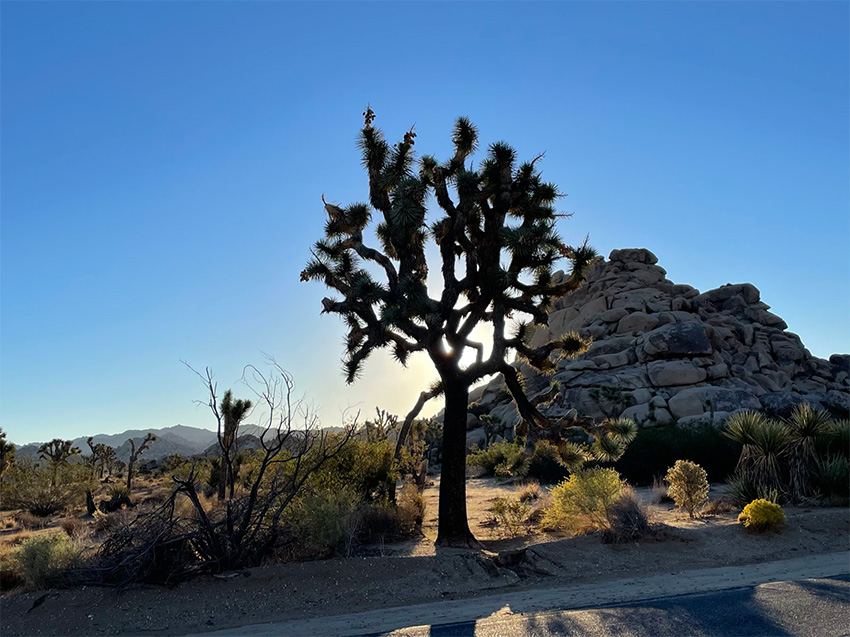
415	572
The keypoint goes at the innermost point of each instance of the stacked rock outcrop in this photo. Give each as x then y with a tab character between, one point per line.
663	352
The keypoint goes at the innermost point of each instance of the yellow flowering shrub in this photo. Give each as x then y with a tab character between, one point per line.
762	515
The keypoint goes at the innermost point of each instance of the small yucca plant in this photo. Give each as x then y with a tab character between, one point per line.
742	427
762	515
803	429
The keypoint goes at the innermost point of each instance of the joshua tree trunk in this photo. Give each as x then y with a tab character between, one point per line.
90	507
453	527
222	477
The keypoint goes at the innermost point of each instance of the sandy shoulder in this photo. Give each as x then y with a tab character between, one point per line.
336	587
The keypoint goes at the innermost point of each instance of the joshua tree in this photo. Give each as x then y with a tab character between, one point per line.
135	452
232	413
498	248
100	456
7	454
57	451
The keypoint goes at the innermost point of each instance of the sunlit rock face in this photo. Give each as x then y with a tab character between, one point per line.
663	352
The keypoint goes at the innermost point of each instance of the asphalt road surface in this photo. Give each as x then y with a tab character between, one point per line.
806	608
808	596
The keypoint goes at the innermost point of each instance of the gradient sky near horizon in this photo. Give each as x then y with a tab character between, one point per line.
162	166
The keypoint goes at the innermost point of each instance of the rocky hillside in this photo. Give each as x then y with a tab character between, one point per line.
664	352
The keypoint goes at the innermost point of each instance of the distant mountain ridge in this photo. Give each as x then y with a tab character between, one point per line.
182	439
178	439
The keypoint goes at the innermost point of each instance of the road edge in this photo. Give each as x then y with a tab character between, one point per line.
606	593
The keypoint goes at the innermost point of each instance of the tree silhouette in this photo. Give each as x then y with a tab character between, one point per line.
7	454
233	412
498	248
57	451
135	452
101	454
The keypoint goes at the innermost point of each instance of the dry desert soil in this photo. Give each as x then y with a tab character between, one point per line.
415	572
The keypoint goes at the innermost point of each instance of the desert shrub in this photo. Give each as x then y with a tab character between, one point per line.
119	498
74	528
108	522
515	469
803	429
45	561
169	464
44	491
377	522
762	515
744	489
118	491
722	505
29	522
581	502
659	491
545	464
791	457
627	518
504	456
832	478
656	449
213	476
411	509
836	442
10	570
512	515
688	486
529	492
363	467
318	521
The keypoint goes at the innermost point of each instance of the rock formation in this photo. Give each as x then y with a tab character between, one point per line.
663	352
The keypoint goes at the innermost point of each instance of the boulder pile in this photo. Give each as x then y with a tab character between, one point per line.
664	352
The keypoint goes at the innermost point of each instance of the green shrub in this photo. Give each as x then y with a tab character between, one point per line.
319	521
213	476
832	478
411	509
503	459
762	515
44	561
365	468
377	522
10	570
44	491
581	502
512	514
744	489
545	464
688	486
656	449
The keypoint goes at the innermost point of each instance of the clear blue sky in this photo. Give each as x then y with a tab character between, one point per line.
162	164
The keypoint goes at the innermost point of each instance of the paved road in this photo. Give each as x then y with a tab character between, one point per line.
732	600
807	608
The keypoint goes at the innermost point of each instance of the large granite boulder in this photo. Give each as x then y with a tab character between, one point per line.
665	352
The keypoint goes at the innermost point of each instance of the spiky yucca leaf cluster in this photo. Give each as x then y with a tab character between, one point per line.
495	230
788	456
